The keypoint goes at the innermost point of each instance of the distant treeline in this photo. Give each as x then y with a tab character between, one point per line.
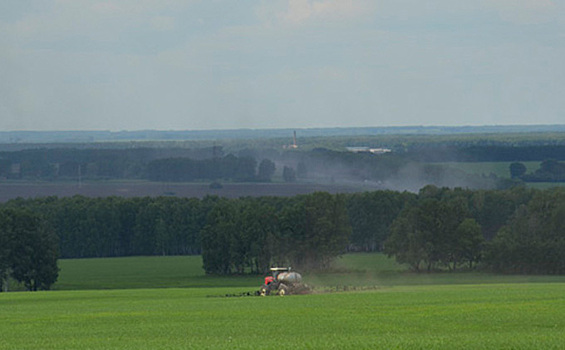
65	163
248	165
141	163
516	230
408	169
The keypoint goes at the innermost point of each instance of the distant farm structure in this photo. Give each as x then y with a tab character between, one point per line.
293	145
368	150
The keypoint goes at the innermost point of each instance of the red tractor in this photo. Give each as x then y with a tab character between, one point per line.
282	282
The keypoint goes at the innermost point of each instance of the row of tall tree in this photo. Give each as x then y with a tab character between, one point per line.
116	226
62	163
306	231
176	164
516	230
233	236
28	250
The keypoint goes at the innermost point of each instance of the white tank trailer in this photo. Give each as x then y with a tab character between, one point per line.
282	282
289	277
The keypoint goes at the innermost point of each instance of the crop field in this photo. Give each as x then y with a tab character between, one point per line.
14	189
497	316
402	310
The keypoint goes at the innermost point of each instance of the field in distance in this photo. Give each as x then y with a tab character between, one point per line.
426	311
500	169
186	272
14	189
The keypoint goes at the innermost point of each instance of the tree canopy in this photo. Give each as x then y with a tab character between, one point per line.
28	250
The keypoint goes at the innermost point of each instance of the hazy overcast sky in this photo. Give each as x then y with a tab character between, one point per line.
190	64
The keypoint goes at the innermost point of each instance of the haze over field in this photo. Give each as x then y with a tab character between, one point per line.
156	64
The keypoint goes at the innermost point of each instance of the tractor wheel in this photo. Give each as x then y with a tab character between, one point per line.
283	290
264	291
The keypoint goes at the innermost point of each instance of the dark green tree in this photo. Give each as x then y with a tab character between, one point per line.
301	170
217	237
406	242
533	240
289	175
371	214
246	169
258	224
266	170
34	254
6	242
314	231
517	169
435	232
470	243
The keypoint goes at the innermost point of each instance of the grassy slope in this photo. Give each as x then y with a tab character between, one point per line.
494	316
442	311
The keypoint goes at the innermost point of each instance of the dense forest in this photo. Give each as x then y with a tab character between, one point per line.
516	230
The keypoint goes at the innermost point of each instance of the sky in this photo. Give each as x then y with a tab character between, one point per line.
225	64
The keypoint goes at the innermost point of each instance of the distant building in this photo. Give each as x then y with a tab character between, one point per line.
368	150
380	150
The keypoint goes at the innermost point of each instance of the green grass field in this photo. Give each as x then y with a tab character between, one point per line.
500	169
186	272
168	303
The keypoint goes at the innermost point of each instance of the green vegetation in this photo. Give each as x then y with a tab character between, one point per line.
130	272
359	269
436	229
500	169
28	250
440	313
370	269
477	317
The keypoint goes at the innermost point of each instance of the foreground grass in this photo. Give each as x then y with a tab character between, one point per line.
496	316
144	308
